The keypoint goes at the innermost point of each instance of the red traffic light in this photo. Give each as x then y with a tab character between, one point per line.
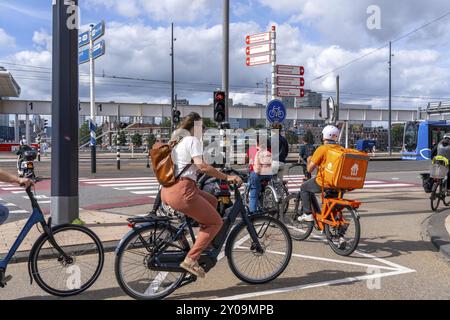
220	96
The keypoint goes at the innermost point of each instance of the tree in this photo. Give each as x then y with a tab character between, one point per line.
122	138
136	140
309	137
166	122
84	134
208	123
151	140
397	135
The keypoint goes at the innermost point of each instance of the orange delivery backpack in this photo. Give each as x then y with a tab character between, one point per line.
345	169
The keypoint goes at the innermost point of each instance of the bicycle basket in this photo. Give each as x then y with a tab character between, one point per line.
438	171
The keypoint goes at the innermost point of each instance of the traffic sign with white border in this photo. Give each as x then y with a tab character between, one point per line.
258	38
258	49
290	92
290	81
290	70
258	60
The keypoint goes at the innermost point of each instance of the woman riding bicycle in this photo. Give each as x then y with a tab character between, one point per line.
185	196
9	178
330	141
443	149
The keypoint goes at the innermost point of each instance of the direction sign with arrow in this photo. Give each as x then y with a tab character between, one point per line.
290	81
290	70
258	49
258	38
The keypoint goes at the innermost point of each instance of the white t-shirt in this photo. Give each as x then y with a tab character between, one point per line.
182	155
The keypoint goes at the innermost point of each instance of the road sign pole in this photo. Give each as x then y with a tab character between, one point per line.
92	125
226	55
173	83
64	190
274	61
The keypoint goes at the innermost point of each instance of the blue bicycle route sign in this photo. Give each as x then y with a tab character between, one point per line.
276	111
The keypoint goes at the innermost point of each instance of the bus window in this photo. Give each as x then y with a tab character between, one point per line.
411	135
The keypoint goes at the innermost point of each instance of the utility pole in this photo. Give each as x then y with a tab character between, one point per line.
390	101
226	56
338	93
173	82
92	123
64	189
118	137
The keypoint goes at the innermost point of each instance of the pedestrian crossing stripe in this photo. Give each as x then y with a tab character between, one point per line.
149	185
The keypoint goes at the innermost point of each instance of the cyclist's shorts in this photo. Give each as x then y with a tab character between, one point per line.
4	213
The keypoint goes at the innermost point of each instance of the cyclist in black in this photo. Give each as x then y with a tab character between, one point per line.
443	149
307	149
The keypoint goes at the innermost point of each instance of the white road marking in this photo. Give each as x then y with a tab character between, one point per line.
314	285
18	211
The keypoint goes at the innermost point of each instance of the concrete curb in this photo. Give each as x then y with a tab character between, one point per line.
23	256
438	233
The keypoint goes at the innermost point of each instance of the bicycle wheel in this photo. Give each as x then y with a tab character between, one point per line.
269	202
131	265
435	197
443	192
292	209
251	266
349	230
64	278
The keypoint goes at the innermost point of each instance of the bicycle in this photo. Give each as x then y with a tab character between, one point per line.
147	264
337	218
439	190
276	113
64	261
273	192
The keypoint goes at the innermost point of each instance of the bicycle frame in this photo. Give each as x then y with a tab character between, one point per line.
325	214
164	261
36	217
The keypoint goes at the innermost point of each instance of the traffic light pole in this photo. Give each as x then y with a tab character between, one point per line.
226	55
390	101
173	82
64	184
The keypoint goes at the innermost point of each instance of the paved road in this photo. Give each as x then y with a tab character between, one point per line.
395	259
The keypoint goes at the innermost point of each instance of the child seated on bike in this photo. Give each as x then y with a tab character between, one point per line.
318	159
261	168
6	177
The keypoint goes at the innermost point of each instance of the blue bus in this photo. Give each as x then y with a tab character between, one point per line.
421	136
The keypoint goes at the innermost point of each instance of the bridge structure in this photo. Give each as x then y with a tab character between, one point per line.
113	109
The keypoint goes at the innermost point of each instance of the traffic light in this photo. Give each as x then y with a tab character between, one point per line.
219	106
176	116
45	126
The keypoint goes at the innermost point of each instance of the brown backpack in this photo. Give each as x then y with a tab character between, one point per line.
163	166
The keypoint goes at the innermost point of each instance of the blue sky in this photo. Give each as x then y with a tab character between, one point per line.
322	35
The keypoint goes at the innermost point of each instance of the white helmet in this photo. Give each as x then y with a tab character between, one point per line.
330	133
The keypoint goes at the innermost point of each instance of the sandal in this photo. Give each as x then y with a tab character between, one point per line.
193	267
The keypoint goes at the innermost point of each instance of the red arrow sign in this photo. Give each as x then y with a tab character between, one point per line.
290	70
258	49
257	60
290	81
291	92
257	38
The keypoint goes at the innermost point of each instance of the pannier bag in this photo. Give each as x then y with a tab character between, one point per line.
427	182
345	169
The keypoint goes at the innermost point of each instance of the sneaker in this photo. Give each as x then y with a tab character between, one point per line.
342	243
306	218
193	267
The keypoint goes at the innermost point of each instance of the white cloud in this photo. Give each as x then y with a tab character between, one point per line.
139	50
42	40
167	10
6	40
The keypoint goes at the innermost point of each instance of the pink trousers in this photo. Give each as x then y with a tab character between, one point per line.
185	197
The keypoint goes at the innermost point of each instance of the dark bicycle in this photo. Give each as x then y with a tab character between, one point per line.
148	258
64	261
438	174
